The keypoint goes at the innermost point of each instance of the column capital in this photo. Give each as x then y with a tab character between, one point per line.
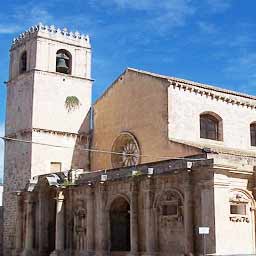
90	190
18	193
134	186
148	184
29	197
102	187
187	181
60	195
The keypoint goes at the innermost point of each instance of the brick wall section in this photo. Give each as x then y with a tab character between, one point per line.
16	175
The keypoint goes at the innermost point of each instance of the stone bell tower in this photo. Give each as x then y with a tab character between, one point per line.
48	102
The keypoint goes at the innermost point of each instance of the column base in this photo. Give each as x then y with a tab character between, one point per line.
27	252
16	252
103	253
133	254
57	253
149	254
81	253
90	253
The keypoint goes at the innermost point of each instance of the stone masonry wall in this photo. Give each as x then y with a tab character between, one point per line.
186	104
136	103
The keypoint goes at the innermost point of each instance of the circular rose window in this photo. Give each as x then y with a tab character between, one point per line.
128	149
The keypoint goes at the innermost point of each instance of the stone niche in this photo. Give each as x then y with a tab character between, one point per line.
169	218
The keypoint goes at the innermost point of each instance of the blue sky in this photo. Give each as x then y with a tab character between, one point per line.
210	41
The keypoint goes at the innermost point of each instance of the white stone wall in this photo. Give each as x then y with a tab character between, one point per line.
186	105
232	237
42	156
30	47
1	195
50	93
19	104
46	61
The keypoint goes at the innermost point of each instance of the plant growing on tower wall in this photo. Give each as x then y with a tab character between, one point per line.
72	103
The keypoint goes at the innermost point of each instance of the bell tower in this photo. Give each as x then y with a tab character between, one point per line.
48	103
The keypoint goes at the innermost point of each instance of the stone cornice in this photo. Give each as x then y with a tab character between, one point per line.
61	74
233	169
32	71
80	136
205	89
216	148
224	96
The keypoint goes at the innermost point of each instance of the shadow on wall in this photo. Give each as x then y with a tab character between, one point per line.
81	157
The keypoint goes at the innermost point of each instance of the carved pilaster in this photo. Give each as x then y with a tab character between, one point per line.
103	244
150	241
90	220
188	214
43	236
59	228
29	237
19	222
134	219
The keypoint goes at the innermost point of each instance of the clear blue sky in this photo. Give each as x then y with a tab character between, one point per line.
211	41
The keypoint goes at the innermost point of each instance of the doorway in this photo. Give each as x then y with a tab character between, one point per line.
120	225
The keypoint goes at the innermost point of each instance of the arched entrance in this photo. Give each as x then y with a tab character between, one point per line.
120	225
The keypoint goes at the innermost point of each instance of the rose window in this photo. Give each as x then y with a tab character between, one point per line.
128	151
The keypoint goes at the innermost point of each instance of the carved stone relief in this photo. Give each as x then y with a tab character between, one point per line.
80	228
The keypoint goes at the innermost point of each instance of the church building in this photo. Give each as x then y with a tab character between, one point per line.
156	166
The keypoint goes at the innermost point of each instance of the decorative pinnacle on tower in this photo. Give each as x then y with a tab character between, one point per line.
52	31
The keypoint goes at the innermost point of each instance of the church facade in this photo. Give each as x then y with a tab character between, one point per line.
138	173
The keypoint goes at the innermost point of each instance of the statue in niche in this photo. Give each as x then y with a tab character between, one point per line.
80	227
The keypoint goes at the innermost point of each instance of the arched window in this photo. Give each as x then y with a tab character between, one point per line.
253	134
63	62
23	62
210	126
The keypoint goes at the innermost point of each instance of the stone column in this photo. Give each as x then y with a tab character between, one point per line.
103	243
19	222
149	223
90	220
29	237
43	220
134	219
59	228
188	215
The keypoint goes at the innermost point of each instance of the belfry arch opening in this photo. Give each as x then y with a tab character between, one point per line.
23	63
120	225
63	62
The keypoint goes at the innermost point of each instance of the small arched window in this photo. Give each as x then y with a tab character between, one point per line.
210	127
63	62
253	134
23	62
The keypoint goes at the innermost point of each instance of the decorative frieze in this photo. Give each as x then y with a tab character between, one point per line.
214	94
